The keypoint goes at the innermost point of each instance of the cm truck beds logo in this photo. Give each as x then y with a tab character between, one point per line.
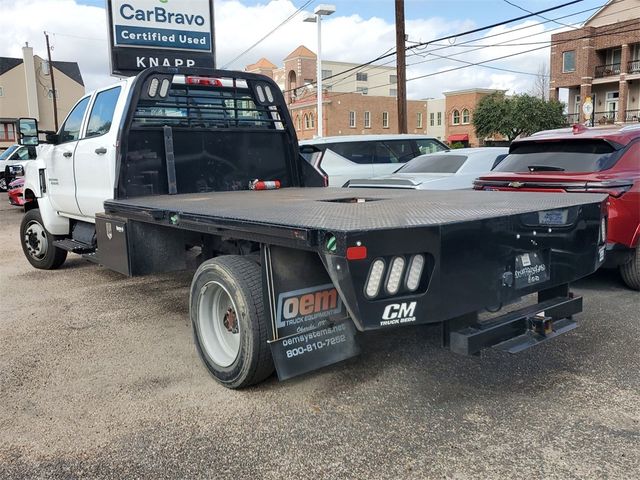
397	313
307	305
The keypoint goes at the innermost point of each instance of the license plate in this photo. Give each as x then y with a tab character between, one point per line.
530	269
553	217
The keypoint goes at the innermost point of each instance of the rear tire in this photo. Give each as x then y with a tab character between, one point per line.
37	243
3	183
229	324
630	271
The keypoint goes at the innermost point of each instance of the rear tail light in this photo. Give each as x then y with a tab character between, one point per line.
603	230
203	81
375	278
415	272
395	275
615	188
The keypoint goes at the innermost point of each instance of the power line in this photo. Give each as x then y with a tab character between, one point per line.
286	20
482	46
468	32
529	11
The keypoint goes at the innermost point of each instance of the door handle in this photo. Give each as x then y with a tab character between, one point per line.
101	151
67	154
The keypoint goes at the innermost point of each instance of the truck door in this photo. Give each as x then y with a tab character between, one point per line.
96	153
62	185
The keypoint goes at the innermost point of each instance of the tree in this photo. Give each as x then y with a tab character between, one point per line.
541	82
517	115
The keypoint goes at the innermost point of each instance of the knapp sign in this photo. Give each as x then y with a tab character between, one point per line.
165	33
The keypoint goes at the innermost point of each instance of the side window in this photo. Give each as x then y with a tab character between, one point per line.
357	152
429	146
22	154
70	131
401	151
102	112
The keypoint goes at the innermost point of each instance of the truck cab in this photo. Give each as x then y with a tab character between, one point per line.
76	170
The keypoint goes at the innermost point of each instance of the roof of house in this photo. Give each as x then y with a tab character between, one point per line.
70	69
301	51
7	64
598	12
263	63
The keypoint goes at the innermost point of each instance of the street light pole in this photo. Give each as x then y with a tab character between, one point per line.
319	79
319	11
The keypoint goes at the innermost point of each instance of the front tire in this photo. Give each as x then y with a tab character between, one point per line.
3	183
37	243
229	324
630	271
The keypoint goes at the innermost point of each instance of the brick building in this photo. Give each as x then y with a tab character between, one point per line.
355	114
601	60
458	115
25	91
363	101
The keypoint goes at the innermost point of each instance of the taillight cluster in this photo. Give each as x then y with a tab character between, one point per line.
389	277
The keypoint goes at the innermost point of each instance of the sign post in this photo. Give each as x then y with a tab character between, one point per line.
587	109
160	33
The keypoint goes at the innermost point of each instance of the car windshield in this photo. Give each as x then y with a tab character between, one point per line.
434	164
7	153
560	156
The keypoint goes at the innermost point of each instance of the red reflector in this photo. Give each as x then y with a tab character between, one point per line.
356	253
205	81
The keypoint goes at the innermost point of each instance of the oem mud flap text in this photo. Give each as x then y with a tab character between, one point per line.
310	325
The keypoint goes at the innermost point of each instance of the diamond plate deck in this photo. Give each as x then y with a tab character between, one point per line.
316	208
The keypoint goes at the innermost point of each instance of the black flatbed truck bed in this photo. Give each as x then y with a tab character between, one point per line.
289	275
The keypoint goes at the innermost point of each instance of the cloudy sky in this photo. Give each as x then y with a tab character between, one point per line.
359	31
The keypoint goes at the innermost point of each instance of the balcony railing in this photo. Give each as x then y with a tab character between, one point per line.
572	118
632	116
633	66
605	118
607	70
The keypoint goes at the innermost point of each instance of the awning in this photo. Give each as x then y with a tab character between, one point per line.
459	137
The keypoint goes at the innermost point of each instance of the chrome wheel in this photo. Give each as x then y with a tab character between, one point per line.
218	324
35	240
3	183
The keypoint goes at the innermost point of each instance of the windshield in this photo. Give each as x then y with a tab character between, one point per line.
7	153
434	164
561	156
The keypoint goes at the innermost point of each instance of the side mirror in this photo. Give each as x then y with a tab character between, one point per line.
28	128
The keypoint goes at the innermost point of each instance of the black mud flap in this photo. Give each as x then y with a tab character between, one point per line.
304	352
518	330
309	322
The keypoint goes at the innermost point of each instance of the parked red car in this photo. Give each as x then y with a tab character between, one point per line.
581	159
15	191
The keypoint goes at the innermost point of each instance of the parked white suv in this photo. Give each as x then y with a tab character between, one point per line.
365	156
12	163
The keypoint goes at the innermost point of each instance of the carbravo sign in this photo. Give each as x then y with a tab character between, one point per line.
167	33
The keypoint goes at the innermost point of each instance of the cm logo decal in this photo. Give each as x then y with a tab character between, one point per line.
397	313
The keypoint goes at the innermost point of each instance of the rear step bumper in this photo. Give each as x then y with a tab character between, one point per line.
518	330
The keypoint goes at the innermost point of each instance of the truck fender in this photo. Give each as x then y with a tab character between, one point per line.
54	223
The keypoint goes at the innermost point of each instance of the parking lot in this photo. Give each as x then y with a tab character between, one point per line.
99	378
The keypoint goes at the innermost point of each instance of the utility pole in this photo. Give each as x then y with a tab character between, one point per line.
53	84
401	68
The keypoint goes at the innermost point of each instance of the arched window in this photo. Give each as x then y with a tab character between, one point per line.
298	122
455	117
306	121
465	116
312	118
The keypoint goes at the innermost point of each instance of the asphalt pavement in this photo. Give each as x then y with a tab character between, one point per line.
99	378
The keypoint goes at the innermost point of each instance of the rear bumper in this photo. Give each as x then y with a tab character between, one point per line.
518	330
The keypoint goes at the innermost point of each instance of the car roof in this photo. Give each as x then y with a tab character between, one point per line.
366	138
468	151
619	135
